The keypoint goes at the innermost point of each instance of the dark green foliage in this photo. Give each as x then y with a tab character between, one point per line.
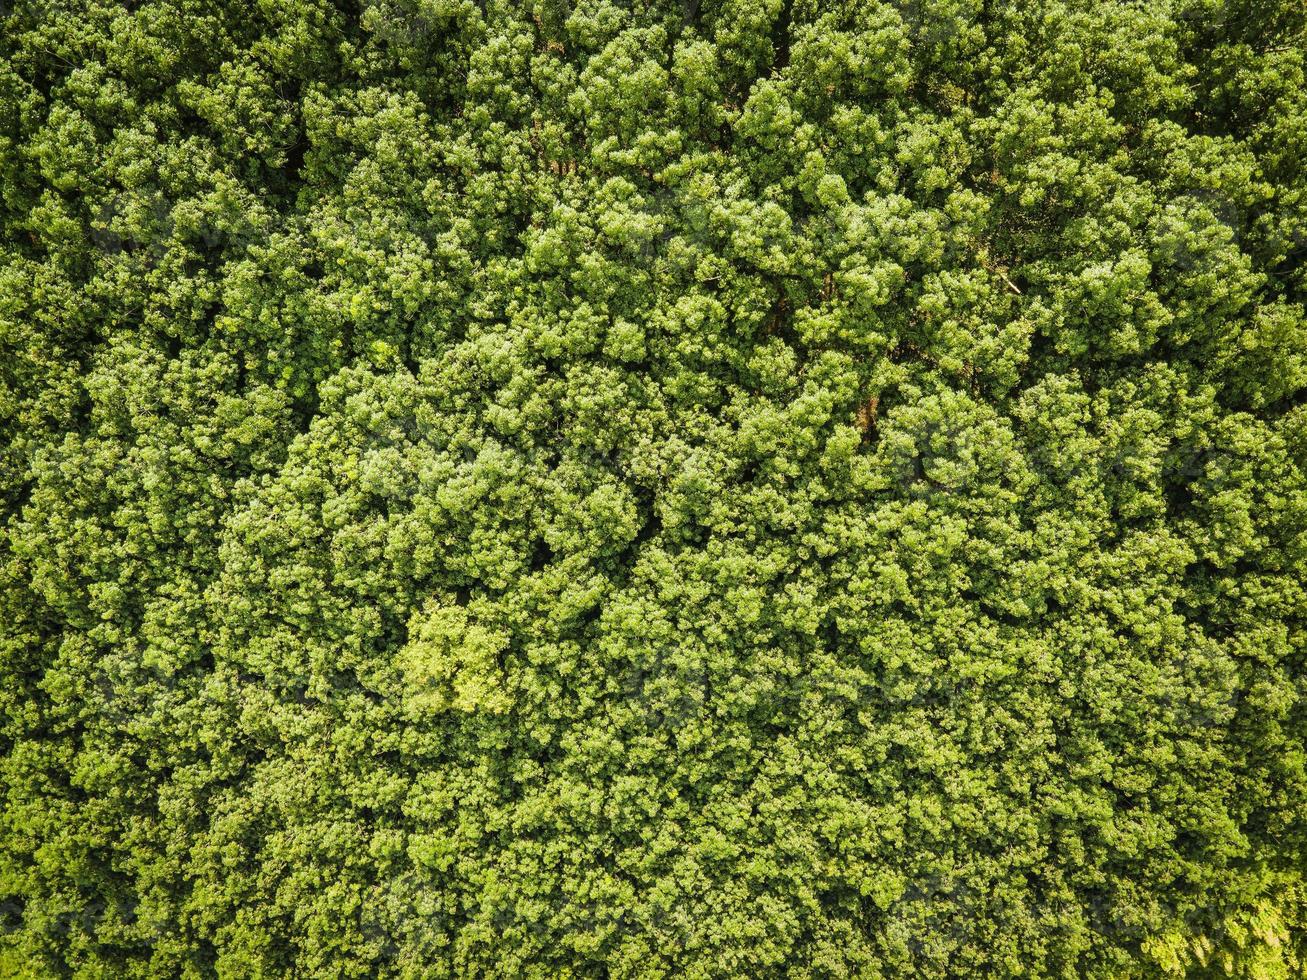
591	488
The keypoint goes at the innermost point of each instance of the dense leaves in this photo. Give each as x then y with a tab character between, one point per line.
612	489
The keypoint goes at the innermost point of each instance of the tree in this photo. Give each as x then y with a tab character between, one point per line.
595	488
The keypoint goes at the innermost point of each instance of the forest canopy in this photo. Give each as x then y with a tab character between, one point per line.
588	488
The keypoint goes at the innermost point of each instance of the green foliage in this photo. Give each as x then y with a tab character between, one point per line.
595	488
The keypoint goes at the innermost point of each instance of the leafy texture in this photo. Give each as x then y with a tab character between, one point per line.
652	490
